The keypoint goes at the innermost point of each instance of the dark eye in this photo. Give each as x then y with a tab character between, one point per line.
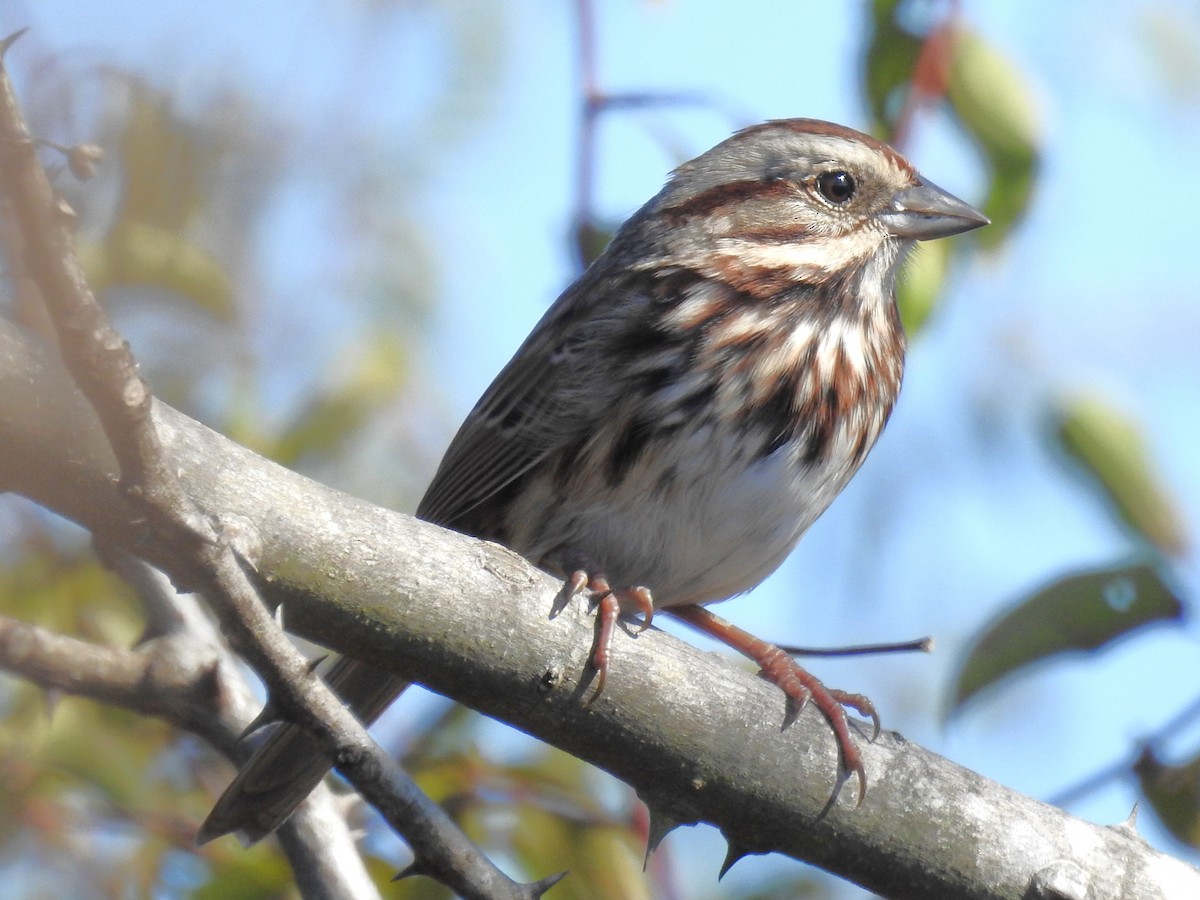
836	187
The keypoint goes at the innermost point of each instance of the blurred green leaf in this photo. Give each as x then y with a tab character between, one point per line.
169	182
1079	612
366	382
69	592
591	237
608	861
1174	794
245	874
995	106
139	253
604	859
1109	447
168	163
918	290
891	55
992	107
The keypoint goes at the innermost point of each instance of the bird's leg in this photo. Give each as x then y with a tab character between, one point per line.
799	685
608	610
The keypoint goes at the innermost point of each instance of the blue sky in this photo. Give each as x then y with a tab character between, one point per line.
960	509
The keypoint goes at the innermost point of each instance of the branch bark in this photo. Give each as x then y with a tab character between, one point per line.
184	676
203	548
697	737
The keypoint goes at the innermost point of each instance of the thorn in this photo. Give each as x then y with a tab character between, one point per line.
266	716
10	40
416	867
1131	820
315	662
540	887
661	825
1129	826
732	855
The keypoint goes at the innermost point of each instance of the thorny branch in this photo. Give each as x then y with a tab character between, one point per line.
699	739
209	552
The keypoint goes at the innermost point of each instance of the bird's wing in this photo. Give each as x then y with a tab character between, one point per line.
545	399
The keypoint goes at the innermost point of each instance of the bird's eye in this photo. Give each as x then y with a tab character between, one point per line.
836	187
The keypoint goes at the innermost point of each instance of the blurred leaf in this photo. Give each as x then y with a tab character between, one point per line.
138	253
244	874
1111	450
608	860
591	237
455	779
172	182
1079	612
70	592
995	106
1171	40
917	292
168	163
368	381
891	55
604	859
1174	794
106	748
947	60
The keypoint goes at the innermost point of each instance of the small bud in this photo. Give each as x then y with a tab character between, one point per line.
82	159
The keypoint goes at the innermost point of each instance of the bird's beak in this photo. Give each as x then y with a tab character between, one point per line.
924	211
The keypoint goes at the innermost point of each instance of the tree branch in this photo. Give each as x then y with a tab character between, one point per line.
183	676
206	549
699	738
317	839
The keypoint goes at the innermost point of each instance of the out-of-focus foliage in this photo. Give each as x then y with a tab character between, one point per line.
168	168
1108	445
995	107
1173	793
962	75
988	100
1079	612
176	231
73	771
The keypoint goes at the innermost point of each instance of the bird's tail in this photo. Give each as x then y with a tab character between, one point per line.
285	769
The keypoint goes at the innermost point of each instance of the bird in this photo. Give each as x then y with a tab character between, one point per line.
683	412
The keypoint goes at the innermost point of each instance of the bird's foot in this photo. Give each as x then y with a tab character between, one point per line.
798	685
609	604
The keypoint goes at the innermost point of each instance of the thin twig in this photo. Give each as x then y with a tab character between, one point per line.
1126	767
920	645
